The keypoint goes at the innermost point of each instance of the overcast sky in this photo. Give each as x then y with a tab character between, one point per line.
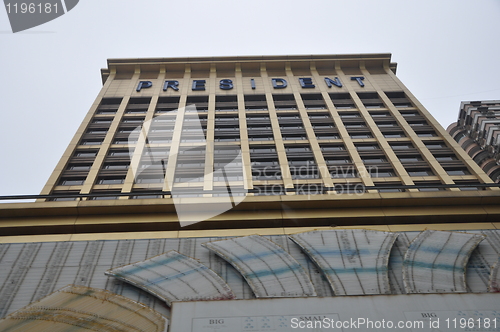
447	51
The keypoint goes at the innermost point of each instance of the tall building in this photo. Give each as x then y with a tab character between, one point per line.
287	178
477	130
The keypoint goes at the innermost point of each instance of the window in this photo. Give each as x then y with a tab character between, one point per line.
435	145
360	135
86	154
420	172
327	136
97	131
138	111
125	130
376	173
418	124
151	179
402	146
327	148
386	124
337	161
427	134
132	120
461	171
288	117
342	100
310	189
163	120
390	190
394	135
77	167
116	166
409	114
159	140
297	149
71	181
322	126
102	198
355	125
103	120
372	160
107	112
266	174
410	159
91	142
339	172
293	137
446	158
363	147
229	177
123	141
370	99
63	199
119	153
268	190
291	127
259	127
349	115
429	189
146	196
318	116
258	150
110	180
380	114
221	139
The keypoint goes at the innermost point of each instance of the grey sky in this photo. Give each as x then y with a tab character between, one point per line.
447	51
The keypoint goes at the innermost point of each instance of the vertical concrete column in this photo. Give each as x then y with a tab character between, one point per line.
384	144
353	152
208	181
70	150
245	146
278	140
176	136
344	136
142	141
311	136
444	135
108	140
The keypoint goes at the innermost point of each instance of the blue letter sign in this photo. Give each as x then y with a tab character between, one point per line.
171	84
359	79
306	82
283	83
198	85
330	82
226	84
143	85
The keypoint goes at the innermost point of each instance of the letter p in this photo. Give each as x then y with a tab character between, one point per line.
143	85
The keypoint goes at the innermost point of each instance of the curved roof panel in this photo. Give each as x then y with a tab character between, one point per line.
173	276
494	283
436	262
354	261
268	268
78	308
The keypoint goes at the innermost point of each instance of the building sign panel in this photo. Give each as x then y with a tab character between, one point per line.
422	312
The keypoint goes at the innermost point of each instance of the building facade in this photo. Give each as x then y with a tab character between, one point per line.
291	177
303	125
478	132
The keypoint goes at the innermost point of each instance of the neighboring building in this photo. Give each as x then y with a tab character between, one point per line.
176	153
477	130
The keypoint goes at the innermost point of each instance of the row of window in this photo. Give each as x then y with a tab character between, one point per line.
259	102
272	148
278	189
